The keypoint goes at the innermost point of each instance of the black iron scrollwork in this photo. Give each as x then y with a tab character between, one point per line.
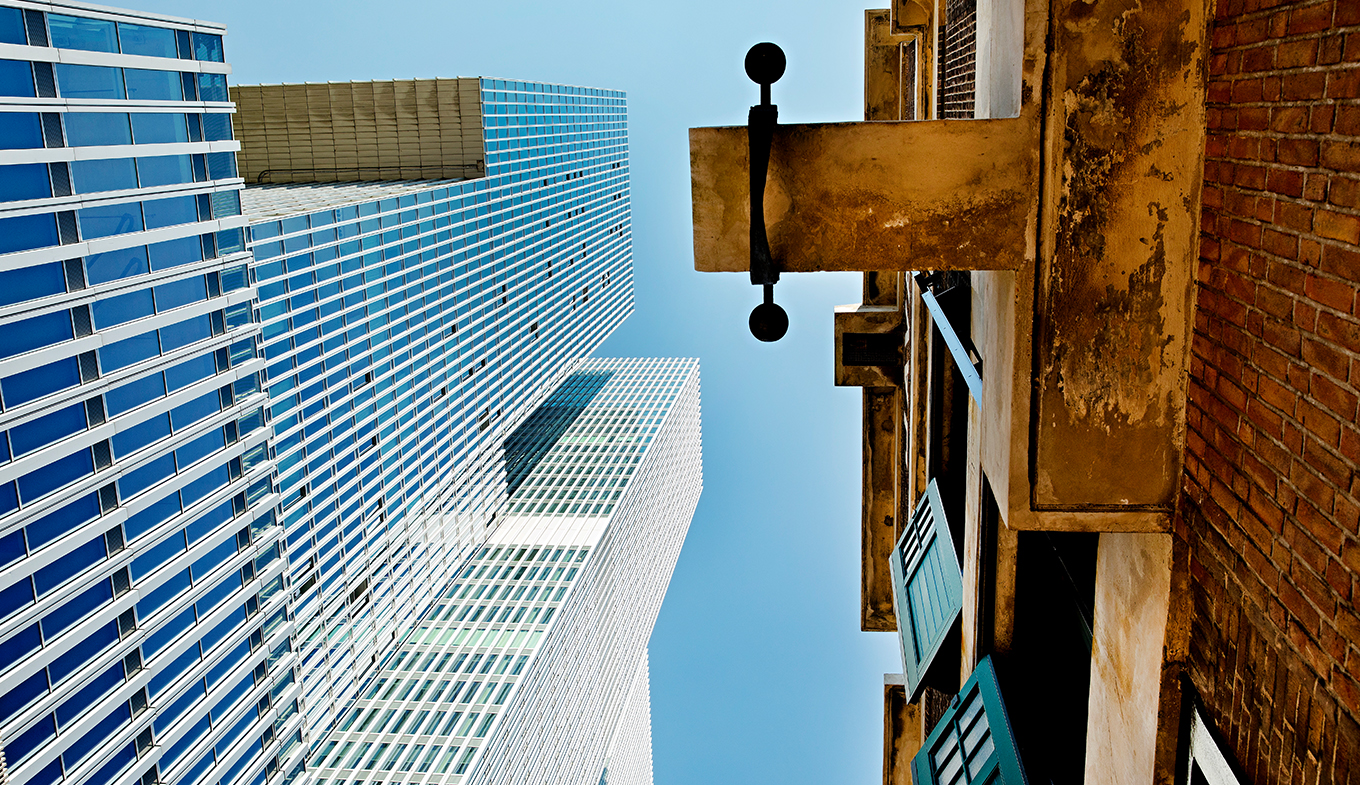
764	64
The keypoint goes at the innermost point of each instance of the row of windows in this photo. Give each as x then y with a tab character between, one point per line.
34	130
101	35
22	79
21	182
41	230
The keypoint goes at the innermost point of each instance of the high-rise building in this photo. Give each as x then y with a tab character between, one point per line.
521	671
231	482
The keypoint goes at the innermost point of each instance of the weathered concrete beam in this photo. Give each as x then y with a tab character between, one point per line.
928	195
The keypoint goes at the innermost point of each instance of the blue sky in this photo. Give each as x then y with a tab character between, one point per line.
759	670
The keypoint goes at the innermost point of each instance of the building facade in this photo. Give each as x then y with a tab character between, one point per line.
251	432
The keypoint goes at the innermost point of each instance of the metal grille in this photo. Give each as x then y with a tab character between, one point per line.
51	125
958	60
61	178
44	79
908	94
37	28
935	703
66	227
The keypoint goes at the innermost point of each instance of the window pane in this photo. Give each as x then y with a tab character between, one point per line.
36	434
159	127
16	79
145	85
58	524
35	333
121	354
111	266
159	511
130	440
33	384
173	253
186	332
216	127
28	283
165	170
147	40
27	231
208	47
90	81
20	130
138	480
12	27
169	212
24	181
177	293
113	311
186	373
211	87
109	220
79	32
221	165
187	414
91	129
57	474
110	174
134	394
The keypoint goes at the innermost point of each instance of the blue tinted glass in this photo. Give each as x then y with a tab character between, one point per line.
24	181
173	253
186	373
4	449
29	436
165	170
167	716
211	87
12	27
169	631
27	231
172	211
217	594
56	474
92	129
114	265
84	651
28	741
134	394
144	85
138	480
159	128
35	333
102	685
146	520
79	607
209	522
146	40
20	130
16	79
80	32
159	554
223	628
86	742
208	47
230	241
217	478
33	384
49	775
12	548
128	441
154	599
15	597
90	81
216	128
177	293
109	220
62	522
113	311
189	413
28	283
109	174
29	689
174	336
198	449
121	354
20	644
221	165
172	671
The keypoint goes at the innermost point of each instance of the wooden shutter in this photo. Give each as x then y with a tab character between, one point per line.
927	588
973	741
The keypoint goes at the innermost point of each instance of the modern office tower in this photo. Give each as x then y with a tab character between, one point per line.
408	326
142	632
531	665
150	606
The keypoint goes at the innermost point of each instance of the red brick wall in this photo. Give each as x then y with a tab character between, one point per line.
1272	494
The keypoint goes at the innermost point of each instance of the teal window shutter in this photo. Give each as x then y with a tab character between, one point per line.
973	741
927	588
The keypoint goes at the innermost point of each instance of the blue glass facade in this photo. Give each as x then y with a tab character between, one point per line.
143	630
228	479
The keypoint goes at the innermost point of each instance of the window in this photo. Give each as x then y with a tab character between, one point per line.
57	474
94	129
25	232
36	434
109	220
16	79
179	293
130	440
146	40
109	174
165	170
159	127
90	81
12	27
21	130
129	351
29	283
146	85
123	308
174	253
44	380
171	211
78	32
973	741
24	181
208	47
35	333
115	265
134	394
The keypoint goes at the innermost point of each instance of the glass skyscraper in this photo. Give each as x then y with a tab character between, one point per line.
250	437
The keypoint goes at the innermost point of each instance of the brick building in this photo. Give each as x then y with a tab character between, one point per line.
1110	355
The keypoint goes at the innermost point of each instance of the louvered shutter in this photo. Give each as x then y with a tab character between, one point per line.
973	742
927	588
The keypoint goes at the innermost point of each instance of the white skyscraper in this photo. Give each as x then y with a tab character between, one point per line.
532	665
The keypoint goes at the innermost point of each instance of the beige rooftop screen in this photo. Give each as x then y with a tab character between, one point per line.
408	129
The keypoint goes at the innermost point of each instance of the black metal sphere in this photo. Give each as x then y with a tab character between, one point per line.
769	322
765	63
